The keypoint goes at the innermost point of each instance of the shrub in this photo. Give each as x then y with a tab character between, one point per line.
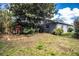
28	30
52	54
76	26
70	29
40	45
76	34
69	34
58	31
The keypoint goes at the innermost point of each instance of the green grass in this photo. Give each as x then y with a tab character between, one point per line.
39	45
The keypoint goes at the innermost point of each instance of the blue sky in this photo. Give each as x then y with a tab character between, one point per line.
67	12
3	5
64	5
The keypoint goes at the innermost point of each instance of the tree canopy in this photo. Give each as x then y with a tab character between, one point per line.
76	25
37	9
31	12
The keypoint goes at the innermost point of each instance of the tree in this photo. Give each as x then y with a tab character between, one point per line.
5	21
70	29
76	24
38	9
34	12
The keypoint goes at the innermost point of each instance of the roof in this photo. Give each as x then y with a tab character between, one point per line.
64	23
59	22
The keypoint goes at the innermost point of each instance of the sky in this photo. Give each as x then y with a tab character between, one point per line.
3	5
67	12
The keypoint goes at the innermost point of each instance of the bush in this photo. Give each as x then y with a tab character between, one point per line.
58	31
28	30
70	29
69	34
76	26
52	54
40	45
76	34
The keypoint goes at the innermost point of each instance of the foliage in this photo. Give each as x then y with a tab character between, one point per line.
70	29
1	27
28	30
5	20
40	45
58	31
76	24
38	9
68	34
33	13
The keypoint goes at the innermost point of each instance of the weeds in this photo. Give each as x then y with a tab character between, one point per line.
40	45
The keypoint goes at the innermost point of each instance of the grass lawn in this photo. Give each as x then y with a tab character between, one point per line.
38	45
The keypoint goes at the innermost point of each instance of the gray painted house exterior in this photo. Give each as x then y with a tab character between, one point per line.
49	26
64	27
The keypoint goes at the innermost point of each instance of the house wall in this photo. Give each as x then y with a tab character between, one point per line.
59	26
52	27
49	27
63	26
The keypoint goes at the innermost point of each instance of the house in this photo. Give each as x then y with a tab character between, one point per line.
49	26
